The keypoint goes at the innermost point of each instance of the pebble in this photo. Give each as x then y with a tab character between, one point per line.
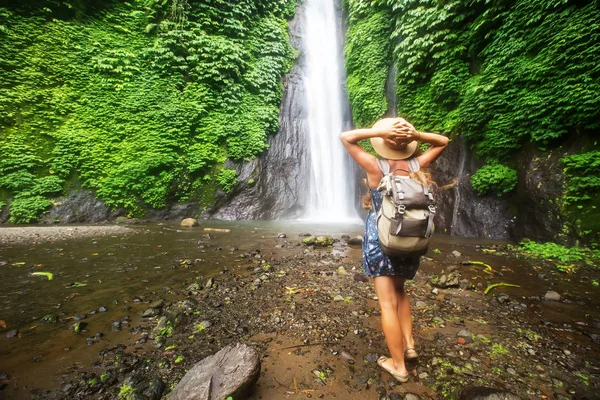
567	352
531	352
12	334
421	304
102	309
423	375
435	291
347	357
552	296
341	271
466	335
371	357
511	371
338	298
456	253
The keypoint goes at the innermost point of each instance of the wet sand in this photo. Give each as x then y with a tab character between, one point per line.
42	234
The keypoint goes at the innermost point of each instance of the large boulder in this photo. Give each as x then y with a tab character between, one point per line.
232	371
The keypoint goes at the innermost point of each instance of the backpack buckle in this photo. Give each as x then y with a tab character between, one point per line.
401	209
431	208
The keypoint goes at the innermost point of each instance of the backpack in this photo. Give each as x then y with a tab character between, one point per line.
405	219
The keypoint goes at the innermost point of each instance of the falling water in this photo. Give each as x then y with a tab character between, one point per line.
331	185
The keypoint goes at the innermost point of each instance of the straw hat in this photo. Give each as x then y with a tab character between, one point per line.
385	151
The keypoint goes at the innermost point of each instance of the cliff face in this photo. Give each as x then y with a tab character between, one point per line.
532	211
274	185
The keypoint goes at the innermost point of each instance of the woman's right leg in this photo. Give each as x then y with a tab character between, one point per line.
388	301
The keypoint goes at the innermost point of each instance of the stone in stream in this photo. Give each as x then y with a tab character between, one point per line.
282	236
12	334
552	296
232	371
151	312
450	280
189	222
318	241
483	393
456	254
355	241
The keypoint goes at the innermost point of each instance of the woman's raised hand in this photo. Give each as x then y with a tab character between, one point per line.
397	132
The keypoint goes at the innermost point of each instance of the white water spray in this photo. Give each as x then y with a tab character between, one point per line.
331	192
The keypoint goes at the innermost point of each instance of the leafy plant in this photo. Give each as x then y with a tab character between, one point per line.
553	251
494	177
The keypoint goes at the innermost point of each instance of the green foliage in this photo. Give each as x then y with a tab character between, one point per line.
227	179
553	251
504	75
367	51
498	350
494	177
140	101
126	392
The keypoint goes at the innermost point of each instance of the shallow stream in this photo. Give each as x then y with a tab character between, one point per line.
125	272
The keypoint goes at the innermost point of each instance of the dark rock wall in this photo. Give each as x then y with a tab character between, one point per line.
279	178
532	211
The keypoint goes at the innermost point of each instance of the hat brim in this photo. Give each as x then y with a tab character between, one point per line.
393	154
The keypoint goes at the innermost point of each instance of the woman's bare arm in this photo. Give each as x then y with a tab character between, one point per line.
393	132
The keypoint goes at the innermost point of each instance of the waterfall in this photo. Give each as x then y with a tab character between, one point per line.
331	191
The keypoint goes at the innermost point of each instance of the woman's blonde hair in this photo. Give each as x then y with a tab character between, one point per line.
422	177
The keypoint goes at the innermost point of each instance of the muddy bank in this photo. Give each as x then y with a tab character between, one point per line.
42	234
314	319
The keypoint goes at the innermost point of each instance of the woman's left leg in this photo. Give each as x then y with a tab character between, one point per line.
388	301
404	314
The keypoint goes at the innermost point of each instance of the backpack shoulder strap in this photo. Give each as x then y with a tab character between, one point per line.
413	164
384	166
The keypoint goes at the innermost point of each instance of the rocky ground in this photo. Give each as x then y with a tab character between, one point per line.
314	319
39	234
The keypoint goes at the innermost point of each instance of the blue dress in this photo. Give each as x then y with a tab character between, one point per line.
375	262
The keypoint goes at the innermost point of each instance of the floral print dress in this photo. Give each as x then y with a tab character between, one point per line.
375	262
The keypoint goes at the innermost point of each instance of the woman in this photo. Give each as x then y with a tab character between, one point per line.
395	140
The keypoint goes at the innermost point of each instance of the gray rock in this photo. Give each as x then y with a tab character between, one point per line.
210	283
338	298
412	396
371	357
347	357
157	304
12	334
355	241
282	236
502	298
483	393
232	371
450	280
465	334
151	312
456	253
420	304
552	296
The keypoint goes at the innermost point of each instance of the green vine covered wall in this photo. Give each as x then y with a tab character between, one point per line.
140	101
502	74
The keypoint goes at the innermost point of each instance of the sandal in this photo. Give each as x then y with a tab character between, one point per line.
410	354
400	378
